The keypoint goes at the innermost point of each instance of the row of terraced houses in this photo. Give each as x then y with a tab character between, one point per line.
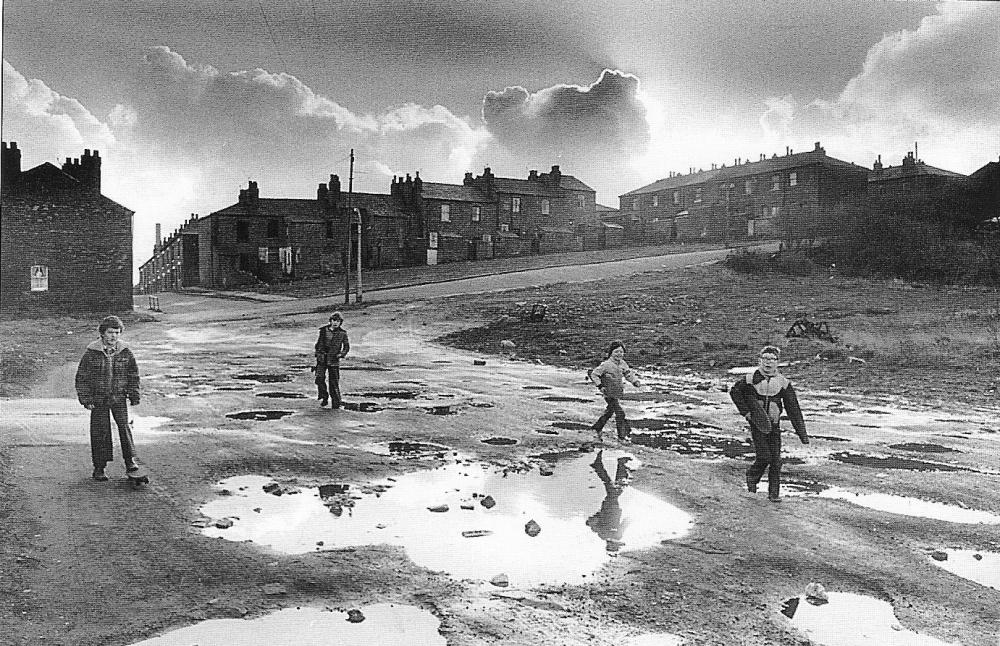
49	210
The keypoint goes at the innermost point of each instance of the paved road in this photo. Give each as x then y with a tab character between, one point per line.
497	282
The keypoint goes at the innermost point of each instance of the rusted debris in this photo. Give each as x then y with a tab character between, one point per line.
804	328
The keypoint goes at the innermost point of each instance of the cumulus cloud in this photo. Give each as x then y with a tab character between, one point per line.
47	125
606	116
935	84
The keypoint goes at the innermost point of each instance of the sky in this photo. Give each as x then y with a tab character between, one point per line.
187	100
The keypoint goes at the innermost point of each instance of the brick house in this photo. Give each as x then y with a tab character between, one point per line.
488	216
912	179
65	247
985	187
794	195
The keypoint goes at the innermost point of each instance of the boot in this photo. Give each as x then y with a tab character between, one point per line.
751	484
99	474
773	489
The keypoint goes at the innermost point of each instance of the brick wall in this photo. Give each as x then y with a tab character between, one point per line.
85	241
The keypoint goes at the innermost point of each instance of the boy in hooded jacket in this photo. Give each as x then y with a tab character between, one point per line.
761	397
107	380
610	378
331	346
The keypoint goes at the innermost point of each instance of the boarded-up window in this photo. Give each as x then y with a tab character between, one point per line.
262	254
476	213
515	204
273	225
432	239
242	230
39	278
446	213
545	207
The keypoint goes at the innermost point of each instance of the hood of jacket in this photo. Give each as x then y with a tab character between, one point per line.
98	345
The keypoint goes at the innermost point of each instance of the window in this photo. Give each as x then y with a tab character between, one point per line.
515	204
504	226
242	230
329	229
272	227
775	211
748	187
545	207
677	197
487	238
446	212
581	201
697	195
793	179
39	278
635	204
262	254
775	182
432	240
656	200
477	212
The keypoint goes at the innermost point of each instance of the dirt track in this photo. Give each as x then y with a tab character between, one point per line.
97	563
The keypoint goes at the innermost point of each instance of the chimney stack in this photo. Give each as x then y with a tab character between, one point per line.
10	167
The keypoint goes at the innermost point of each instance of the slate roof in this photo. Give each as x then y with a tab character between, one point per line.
452	192
292	209
919	169
378	205
539	187
606	209
50	176
764	166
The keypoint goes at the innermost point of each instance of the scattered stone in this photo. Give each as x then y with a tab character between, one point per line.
225	492
816	594
507	346
438	508
274	589
467	506
478	362
381	526
545	471
856	360
271	486
488	502
500	581
224	523
476	533
938	555
532	529
977	556
257	509
355	616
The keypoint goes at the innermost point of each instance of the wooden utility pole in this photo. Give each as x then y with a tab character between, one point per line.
359	296
349	216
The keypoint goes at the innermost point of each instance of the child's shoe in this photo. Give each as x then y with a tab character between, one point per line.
99	474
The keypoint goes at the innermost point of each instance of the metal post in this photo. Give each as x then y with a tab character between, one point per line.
347	213
359	296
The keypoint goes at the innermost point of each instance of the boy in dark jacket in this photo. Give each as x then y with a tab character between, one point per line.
331	346
106	379
761	397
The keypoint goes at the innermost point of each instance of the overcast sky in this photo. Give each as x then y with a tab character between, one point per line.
187	100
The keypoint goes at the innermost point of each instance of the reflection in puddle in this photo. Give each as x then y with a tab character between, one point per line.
362	407
280	395
975	565
408	448
677	434
898	504
564	398
499	441
577	507
259	415
390	394
854	620
892	462
384	624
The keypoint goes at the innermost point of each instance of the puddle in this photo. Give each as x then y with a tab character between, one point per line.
563	398
234	388
260	415
975	565
384	624
572	426
278	395
655	639
537	387
441	410
390	394
691	442
264	378
923	448
362	407
576	506
366	368
902	505
146	424
547	431
829	438
891	462
853	620
408	448
499	441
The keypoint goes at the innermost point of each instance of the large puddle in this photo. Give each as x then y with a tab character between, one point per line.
383	625
902	505
853	620
469	520
975	565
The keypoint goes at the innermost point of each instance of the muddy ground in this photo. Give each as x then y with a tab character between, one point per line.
98	563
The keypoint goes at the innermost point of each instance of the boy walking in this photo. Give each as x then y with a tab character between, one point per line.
107	380
761	397
331	346
610	377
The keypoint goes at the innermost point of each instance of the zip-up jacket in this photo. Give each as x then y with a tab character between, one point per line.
762	399
331	346
610	377
107	376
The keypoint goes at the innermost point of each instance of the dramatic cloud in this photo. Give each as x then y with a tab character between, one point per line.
47	125
606	117
935	85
